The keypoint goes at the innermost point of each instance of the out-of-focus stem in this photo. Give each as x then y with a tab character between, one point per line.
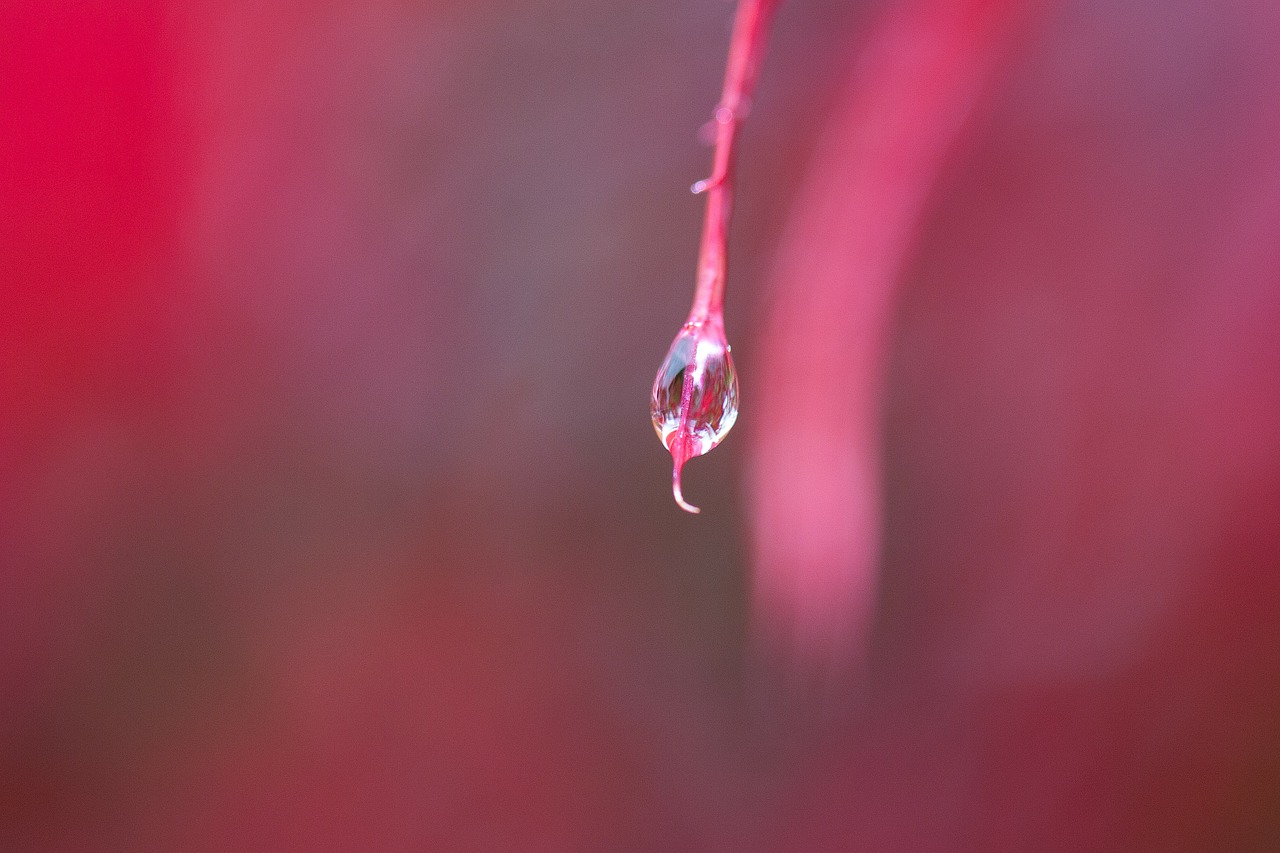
815	480
746	49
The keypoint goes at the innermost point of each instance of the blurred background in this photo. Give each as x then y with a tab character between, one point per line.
331	517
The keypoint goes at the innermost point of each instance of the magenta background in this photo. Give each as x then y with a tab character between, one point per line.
331	517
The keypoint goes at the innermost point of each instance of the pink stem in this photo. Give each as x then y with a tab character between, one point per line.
682	443
746	49
815	482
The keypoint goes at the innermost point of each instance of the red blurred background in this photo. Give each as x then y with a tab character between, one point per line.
331	518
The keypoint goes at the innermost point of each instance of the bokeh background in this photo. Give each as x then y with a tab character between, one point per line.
330	513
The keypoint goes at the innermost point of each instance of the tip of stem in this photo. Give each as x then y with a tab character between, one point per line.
680	501
679	455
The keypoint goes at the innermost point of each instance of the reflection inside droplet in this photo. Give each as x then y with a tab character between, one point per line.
700	357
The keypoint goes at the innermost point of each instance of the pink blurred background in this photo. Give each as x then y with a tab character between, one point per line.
330	513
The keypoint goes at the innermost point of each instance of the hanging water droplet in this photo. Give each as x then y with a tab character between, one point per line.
695	396
705	360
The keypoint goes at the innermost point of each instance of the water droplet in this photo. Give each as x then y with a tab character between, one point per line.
695	396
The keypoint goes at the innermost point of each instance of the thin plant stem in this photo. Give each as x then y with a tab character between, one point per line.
699	357
746	49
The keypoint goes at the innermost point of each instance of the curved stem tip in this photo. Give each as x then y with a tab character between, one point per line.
680	446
